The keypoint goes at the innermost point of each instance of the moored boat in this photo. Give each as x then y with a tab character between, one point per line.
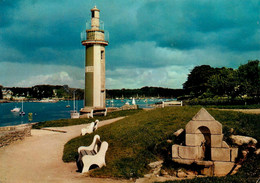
22	112
74	114
16	109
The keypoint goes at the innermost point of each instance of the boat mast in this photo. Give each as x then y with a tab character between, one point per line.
74	108
22	105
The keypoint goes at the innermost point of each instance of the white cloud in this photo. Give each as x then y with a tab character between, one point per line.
60	78
25	75
149	55
170	76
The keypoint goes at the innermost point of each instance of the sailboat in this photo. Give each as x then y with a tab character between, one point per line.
22	112
16	109
112	102
74	114
133	101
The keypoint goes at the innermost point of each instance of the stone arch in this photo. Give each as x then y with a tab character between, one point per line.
203	137
214	126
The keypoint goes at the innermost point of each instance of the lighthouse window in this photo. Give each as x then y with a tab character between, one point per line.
93	14
102	54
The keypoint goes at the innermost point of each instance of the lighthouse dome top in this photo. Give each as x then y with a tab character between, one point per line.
95	9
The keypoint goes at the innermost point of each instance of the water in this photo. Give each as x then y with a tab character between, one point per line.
142	103
53	111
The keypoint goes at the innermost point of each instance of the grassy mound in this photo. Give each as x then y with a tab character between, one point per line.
70	122
139	139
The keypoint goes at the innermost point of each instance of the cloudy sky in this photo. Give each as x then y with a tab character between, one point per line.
151	42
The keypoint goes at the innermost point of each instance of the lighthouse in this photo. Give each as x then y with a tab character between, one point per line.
95	92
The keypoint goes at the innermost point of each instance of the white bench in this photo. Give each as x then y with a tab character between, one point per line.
90	128
91	112
99	112
93	155
95	125
171	103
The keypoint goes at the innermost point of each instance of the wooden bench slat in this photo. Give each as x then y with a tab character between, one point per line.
87	152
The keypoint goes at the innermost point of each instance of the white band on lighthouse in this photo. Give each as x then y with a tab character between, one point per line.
89	69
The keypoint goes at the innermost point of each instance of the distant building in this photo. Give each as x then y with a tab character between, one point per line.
7	94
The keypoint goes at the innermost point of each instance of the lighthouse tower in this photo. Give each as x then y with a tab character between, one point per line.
95	94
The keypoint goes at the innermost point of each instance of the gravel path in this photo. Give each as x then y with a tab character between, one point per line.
39	158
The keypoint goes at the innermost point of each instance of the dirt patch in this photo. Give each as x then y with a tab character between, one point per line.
248	111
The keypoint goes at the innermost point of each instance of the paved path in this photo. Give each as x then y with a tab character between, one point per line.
39	158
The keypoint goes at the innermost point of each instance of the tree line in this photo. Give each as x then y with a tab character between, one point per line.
43	91
58	91
206	82
145	92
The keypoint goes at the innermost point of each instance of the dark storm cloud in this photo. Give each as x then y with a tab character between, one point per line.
6	8
226	26
32	25
190	24
38	26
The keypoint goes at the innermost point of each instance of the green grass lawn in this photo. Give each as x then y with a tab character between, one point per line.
139	139
70	122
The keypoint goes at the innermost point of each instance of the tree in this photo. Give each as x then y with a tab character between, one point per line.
197	81
224	82
249	78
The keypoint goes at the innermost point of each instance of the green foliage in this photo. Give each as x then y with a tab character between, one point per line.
46	91
197	81
224	82
205	81
249	78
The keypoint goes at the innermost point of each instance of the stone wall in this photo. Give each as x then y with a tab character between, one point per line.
10	134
